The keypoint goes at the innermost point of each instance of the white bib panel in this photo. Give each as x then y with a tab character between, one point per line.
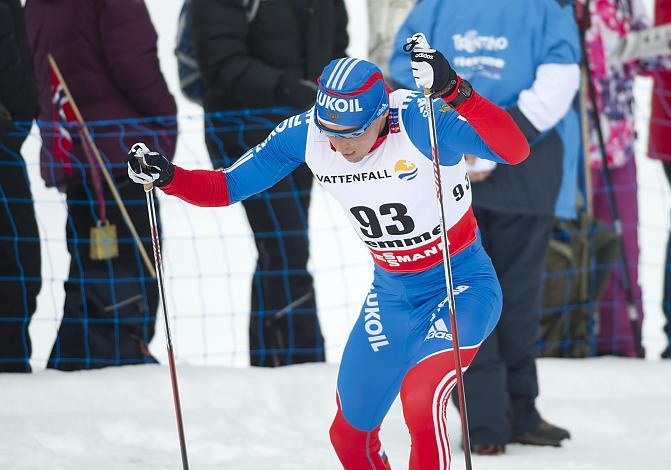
390	196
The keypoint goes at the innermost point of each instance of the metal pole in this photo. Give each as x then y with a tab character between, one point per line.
420	40
448	280
158	262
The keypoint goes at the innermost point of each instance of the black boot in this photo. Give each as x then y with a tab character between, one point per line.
545	434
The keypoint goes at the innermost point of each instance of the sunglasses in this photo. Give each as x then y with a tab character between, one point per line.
346	134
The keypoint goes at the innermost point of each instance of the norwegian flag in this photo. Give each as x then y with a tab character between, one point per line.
64	120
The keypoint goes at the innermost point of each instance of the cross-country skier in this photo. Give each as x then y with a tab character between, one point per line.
370	149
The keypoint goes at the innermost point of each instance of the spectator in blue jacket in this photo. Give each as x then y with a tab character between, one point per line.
523	55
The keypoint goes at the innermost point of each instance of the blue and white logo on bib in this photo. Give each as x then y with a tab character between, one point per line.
405	170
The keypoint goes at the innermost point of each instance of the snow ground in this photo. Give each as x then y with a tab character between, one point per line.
249	419
238	418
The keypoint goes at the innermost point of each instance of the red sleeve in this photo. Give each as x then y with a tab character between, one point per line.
204	188
496	127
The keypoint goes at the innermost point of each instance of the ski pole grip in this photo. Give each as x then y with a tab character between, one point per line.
140	150
417	40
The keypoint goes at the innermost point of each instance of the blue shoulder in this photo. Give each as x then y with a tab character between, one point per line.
415	121
268	162
288	139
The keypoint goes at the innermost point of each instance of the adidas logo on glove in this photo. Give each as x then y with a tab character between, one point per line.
423	55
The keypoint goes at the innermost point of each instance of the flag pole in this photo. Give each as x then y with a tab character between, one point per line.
108	178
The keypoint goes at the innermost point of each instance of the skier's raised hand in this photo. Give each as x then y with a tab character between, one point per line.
431	69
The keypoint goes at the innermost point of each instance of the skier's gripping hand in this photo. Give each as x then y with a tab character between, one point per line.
146	167
431	69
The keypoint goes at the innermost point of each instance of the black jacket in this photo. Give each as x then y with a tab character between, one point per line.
532	187
258	63
18	91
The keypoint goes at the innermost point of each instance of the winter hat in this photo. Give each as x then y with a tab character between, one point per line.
351	92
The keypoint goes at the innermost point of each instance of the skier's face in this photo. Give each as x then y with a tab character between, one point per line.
353	149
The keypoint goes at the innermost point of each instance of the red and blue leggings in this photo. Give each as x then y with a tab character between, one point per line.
402	342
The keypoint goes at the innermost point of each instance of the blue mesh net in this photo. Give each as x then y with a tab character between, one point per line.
255	283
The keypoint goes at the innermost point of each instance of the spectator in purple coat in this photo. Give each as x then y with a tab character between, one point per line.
106	51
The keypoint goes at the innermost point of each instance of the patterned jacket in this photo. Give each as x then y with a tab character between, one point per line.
609	22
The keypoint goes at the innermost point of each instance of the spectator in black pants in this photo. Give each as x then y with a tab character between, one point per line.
106	51
501	384
515	210
20	279
255	55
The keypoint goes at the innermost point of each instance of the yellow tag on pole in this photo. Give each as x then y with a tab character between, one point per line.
104	243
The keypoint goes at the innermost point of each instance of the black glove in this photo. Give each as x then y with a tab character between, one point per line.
432	70
299	94
155	168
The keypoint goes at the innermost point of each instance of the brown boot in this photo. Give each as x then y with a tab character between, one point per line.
488	449
545	434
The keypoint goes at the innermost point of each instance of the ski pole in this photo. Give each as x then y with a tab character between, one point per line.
423	43
158	263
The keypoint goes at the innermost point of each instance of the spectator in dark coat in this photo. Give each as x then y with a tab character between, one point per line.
20	280
255	55
106	51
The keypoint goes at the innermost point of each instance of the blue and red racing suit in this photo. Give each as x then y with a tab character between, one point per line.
401	341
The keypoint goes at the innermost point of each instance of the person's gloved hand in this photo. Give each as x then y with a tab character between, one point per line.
431	69
146	167
299	94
